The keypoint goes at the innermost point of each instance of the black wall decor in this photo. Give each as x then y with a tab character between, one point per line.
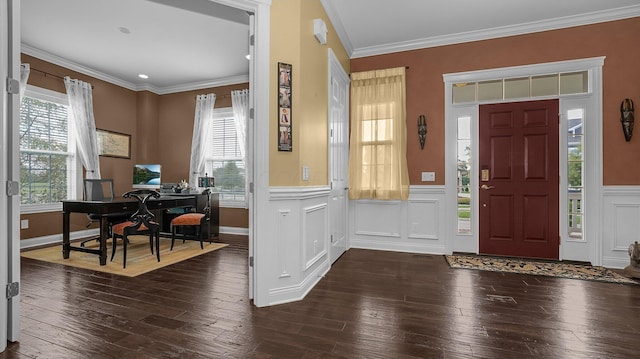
422	130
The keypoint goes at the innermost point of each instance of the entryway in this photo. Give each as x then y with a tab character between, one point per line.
571	226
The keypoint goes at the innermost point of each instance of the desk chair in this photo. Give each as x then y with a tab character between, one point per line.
196	221
141	222
101	190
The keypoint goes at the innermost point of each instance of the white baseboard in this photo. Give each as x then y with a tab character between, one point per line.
235	230
57	238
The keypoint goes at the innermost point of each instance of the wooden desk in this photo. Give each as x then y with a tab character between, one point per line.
103	208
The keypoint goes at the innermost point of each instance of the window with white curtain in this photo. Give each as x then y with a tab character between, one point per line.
224	159
377	148
48	164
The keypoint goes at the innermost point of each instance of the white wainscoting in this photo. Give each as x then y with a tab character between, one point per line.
416	225
299	257
620	224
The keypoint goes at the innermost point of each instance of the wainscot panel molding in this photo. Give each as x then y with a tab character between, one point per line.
621	224
300	257
314	234
415	225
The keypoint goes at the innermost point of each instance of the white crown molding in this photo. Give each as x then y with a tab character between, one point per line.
503	31
334	17
203	84
60	61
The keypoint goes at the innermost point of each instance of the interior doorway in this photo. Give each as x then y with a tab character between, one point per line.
519	179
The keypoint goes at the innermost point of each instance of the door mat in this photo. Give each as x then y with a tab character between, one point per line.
537	267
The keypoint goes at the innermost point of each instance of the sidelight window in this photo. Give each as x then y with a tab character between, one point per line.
575	172
464	174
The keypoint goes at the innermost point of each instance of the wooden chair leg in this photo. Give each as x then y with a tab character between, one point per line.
158	245
113	250
199	236
124	251
173	236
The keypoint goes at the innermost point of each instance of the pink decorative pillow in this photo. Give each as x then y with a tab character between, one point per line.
188	219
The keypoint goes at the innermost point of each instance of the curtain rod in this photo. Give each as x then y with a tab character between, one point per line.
45	74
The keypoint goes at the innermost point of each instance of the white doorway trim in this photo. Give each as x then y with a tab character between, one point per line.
9	172
338	154
590	248
258	128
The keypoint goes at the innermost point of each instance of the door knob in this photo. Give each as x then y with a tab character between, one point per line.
485	187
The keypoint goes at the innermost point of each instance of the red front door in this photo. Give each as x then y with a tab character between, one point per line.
519	179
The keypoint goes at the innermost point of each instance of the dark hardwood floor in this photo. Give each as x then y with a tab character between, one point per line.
370	305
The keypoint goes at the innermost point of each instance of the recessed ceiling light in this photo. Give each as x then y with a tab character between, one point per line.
143	76
124	30
248	57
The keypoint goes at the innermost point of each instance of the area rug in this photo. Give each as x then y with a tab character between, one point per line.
537	267
139	257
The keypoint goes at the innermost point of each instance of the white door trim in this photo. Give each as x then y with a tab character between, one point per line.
10	172
593	152
338	189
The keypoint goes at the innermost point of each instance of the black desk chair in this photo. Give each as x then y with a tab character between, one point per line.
142	222
101	190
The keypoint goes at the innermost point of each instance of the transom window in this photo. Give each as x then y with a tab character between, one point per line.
521	87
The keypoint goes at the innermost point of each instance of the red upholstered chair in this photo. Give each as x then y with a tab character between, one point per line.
142	222
197	222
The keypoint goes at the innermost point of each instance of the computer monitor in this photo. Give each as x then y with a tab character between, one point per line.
146	176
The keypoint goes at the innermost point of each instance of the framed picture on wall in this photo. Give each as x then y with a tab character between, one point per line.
285	142
113	144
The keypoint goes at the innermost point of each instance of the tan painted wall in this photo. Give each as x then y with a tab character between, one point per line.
293	42
161	128
425	92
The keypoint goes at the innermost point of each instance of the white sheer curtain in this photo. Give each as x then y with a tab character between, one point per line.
201	123
25	69
81	114
240	105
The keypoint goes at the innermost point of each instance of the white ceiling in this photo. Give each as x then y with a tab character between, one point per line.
203	44
373	27
178	49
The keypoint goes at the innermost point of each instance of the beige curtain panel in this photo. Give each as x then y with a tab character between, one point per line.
378	144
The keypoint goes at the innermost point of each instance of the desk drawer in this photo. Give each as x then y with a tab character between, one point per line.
115	207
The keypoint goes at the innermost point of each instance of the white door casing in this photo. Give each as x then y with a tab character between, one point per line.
589	248
9	171
4	234
338	157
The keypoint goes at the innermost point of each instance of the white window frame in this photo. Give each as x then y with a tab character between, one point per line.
74	171
227	112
